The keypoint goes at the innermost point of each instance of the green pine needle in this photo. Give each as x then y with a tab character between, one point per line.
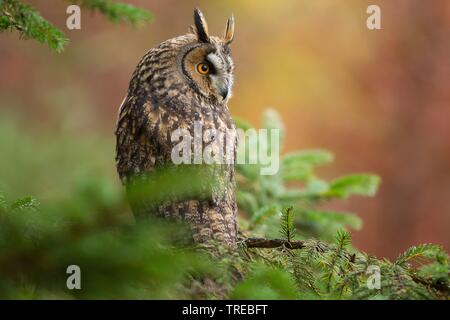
430	251
287	229
15	15
30	24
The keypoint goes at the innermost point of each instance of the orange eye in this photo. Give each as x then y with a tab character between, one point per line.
203	68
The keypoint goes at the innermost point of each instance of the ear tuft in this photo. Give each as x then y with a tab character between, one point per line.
201	26
229	30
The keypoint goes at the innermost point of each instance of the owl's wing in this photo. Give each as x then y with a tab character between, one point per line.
136	137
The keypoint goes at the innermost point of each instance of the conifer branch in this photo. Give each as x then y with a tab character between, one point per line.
15	15
272	243
30	24
116	11
287	224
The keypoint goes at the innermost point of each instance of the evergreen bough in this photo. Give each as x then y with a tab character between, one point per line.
23	18
287	250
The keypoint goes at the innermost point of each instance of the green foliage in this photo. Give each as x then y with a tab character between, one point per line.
419	253
117	12
116	259
182	182
327	268
23	18
83	218
298	166
3	204
287	228
335	258
30	24
361	184
336	271
23	204
262	197
264	282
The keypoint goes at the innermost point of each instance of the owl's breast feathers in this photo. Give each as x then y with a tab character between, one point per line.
148	115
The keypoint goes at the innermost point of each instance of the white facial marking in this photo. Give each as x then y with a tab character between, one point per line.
221	80
216	61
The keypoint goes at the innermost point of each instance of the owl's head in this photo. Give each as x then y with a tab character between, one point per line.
207	62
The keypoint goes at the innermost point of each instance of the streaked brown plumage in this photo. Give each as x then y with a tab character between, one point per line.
168	90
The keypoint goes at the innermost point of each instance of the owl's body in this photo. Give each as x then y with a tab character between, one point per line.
170	90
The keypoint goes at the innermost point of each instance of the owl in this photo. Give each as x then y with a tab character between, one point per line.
184	81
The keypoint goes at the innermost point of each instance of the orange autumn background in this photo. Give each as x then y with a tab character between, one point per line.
379	100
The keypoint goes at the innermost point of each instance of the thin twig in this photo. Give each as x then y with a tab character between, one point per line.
272	243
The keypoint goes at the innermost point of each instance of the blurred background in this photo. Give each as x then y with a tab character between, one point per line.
379	100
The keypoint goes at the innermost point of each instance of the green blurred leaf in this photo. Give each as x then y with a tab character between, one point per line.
342	219
3	203
31	25
116	11
272	120
263	214
299	165
247	201
358	184
242	124
24	203
266	283
317	187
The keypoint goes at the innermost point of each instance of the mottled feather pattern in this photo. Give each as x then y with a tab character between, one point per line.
161	98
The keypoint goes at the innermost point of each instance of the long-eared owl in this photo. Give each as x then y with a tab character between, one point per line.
181	82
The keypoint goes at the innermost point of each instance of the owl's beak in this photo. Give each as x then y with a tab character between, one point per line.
224	92
222	86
